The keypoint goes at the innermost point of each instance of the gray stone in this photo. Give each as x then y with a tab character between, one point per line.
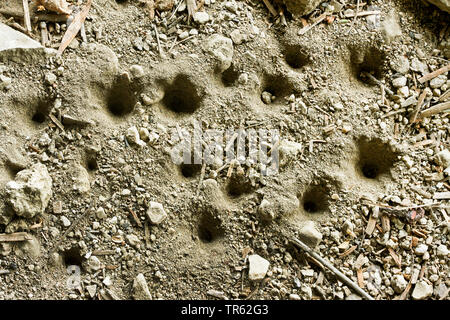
399	82
237	36
221	49
421	249
400	64
65	222
133	240
301	7
16	46
137	71
80	179
258	267
132	136
309	234
444	158
92	290
438	82
441	4
5	82
93	264
422	290
140	288
442	251
156	213
201	17
288	151
30	248
418	66
399	283
30	192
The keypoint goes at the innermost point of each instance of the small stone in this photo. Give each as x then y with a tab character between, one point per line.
258	267
442	251
422	290
399	82
438	82
266	97
66	222
140	288
309	234
294	296
403	91
133	240
201	17
237	37
4	82
107	281
183	35
30	192
444	158
156	213
421	249
100	213
400	64
93	264
137	71
307	273
80	179
144	134
92	290
222	49
50	78
133	137
399	283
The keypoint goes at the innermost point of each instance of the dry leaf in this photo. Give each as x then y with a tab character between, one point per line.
58	6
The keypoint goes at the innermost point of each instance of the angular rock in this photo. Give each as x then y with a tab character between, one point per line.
16	46
222	49
422	290
258	267
201	17
30	248
288	151
156	213
399	283
140	288
80	179
30	193
309	234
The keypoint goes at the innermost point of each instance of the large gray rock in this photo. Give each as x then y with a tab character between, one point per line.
30	193
442	4
16	46
222	49
301	7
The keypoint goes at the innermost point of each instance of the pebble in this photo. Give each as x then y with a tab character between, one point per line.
100	213
438	82
258	267
400	64
237	37
92	290
442	251
399	82
399	283
4	82
137	71
66	222
421	249
266	97
183	35
309	234
133	240
422	290
133	137
201	17
140	288
156	213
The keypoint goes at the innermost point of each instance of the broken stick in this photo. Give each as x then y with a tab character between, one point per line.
438	108
14	237
26	15
434	74
339	274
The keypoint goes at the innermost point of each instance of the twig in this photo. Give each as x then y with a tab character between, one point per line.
36	17
435	109
74	27
354	19
362	14
270	7
378	82
157	40
319	20
419	105
14	237
135	217
181	41
339	274
26	15
434	74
